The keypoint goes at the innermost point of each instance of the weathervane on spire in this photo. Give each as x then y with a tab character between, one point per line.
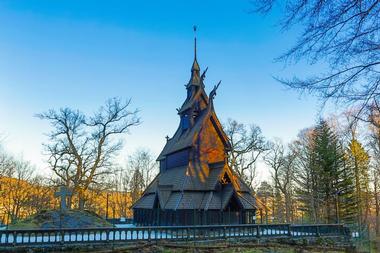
195	41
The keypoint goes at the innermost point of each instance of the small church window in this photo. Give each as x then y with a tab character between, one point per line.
189	93
185	122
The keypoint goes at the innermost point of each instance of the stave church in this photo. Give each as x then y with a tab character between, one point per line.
195	185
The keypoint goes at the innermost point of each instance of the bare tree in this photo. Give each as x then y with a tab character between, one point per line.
142	167
16	189
345	34
118	194
375	152
40	195
6	162
305	175
281	163
265	198
247	145
376	193
123	201
81	148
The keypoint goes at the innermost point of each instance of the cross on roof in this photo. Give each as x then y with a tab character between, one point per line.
63	193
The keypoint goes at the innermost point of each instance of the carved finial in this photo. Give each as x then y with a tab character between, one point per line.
204	74
167	138
213	92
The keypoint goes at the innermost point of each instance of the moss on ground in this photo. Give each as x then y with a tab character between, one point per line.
189	248
232	248
281	249
56	219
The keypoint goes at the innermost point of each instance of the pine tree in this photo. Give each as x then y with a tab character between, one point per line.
329	162
346	196
324	182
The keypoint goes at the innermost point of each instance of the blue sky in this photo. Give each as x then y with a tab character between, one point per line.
79	53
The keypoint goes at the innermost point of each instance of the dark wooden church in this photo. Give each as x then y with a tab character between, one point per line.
195	185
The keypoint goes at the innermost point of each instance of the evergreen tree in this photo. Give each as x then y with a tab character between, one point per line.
329	163
346	196
324	182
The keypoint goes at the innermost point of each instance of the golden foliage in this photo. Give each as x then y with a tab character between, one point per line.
20	198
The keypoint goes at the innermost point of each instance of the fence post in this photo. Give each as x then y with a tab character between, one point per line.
289	230
62	237
149	231
225	232
318	233
14	238
258	231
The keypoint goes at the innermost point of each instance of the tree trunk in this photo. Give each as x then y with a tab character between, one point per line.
377	204
81	201
69	202
287	208
358	194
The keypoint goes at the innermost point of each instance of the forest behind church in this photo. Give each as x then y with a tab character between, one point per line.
329	173
23	192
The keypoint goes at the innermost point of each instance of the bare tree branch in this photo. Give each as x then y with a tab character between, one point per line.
81	148
346	35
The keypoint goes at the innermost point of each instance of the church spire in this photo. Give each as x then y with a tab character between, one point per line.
195	45
195	69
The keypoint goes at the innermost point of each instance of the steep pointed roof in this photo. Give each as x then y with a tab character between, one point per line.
195	78
190	101
185	139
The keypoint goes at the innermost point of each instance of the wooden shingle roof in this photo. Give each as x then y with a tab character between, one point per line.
247	200
189	102
146	201
183	139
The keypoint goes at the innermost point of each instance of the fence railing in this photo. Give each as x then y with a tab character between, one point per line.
120	220
177	233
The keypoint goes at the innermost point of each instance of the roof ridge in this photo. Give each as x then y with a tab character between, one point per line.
179	201
242	196
209	200
231	193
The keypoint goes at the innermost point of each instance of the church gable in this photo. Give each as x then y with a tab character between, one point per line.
210	145
183	138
